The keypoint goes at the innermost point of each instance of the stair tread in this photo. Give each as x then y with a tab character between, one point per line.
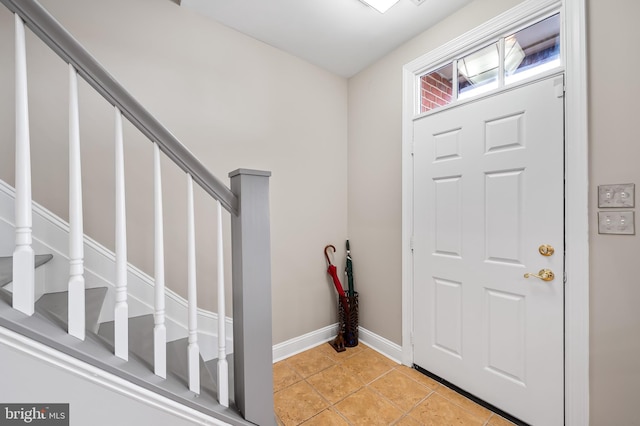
56	305
140	328
178	364
6	266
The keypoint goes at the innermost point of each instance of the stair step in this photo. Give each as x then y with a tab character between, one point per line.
141	345
6	266
140	329
212	368
55	306
178	364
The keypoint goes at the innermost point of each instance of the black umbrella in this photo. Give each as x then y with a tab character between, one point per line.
349	272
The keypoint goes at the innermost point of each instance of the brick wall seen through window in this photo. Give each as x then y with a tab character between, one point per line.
436	89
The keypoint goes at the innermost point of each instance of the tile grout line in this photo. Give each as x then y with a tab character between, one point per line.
368	386
363	385
332	406
404	412
491	413
302	378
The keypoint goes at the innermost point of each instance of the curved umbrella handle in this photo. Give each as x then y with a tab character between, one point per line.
336	281
326	255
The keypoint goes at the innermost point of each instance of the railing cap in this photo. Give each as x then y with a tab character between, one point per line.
250	172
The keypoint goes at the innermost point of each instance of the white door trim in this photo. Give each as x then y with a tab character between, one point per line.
576	184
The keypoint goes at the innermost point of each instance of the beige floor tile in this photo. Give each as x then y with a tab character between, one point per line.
335	383
438	411
497	420
309	362
407	421
327	418
367	408
284	376
400	389
297	403
368	365
467	404
369	389
418	376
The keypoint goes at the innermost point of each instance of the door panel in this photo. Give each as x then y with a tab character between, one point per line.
447	310
488	191
448	216
503	207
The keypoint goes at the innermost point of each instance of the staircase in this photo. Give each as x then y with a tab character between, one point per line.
49	325
132	344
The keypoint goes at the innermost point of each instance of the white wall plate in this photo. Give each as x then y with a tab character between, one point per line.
616	222
616	195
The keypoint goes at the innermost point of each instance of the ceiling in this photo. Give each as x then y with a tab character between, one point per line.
341	36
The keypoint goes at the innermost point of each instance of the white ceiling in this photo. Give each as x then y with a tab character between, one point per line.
342	36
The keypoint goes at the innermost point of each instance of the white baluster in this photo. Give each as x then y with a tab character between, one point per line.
159	330
121	327
223	368
76	250
23	255
193	349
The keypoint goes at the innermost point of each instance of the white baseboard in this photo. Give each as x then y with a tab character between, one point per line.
315	338
378	343
302	343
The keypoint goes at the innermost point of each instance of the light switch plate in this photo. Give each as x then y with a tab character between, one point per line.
616	222
616	195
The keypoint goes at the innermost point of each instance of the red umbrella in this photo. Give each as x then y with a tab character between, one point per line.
336	281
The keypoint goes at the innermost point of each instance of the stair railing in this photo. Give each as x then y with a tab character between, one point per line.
247	201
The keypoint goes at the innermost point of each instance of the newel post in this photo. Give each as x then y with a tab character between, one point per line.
251	264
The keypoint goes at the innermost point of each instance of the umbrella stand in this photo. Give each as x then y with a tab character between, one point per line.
349	320
347	309
350	316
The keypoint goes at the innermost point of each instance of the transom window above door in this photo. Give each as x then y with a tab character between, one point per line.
512	58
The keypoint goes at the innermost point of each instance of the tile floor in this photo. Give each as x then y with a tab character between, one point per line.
362	387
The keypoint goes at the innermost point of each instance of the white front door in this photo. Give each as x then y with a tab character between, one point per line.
488	199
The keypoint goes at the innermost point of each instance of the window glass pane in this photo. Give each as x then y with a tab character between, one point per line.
478	71
533	50
436	88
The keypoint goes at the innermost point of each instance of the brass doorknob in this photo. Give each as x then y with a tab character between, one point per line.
543	274
546	250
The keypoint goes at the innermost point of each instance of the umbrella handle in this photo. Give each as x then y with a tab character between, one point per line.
326	255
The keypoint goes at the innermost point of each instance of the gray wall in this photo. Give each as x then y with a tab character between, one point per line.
614	155
234	101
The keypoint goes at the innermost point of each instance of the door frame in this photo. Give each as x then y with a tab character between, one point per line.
574	53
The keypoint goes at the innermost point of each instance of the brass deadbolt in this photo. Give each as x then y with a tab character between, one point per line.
546	250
